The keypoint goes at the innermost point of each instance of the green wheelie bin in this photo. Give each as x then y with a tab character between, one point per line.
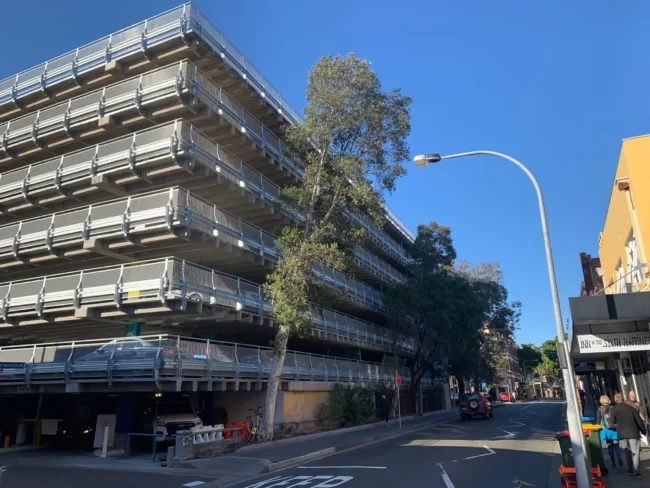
565	447
595	447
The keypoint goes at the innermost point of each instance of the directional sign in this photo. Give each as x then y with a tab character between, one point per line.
13	365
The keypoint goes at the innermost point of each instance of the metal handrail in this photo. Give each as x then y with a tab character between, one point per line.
181	357
181	78
162	281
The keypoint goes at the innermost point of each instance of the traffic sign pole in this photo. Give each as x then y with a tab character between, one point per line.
398	381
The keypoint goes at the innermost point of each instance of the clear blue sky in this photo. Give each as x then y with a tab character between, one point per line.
555	84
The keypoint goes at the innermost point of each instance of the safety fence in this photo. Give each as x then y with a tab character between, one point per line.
180	83
168	358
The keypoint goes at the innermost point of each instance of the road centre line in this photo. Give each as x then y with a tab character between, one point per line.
342	467
445	477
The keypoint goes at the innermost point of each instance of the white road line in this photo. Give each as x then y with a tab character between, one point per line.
518	424
342	467
193	483
489	453
445	477
510	434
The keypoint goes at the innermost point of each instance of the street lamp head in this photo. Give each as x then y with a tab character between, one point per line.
424	159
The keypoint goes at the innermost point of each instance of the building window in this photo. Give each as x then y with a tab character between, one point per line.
620	279
633	272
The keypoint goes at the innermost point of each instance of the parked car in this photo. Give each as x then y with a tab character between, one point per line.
507	397
171	417
474	405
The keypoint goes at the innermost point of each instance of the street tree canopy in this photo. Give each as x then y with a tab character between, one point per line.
447	309
352	144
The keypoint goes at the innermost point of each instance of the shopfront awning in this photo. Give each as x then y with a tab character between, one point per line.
605	324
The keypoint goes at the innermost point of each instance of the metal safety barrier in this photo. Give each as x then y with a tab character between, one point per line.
142	288
175	211
179	23
180	83
166	358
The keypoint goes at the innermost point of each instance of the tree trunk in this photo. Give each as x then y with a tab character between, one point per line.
279	354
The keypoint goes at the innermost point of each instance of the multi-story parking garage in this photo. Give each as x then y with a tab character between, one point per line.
138	180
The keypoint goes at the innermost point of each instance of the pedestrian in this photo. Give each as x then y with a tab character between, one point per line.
634	403
629	428
384	408
608	433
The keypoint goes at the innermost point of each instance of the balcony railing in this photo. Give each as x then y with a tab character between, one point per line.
173	152
158	286
179	83
178	23
168	360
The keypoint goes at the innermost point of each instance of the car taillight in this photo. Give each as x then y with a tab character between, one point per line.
168	351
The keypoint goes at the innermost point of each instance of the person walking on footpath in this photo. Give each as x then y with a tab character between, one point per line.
384	408
629	428
634	403
608	433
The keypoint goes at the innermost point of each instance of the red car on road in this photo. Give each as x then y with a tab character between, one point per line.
475	405
506	397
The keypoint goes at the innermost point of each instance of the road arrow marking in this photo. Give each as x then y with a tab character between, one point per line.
489	453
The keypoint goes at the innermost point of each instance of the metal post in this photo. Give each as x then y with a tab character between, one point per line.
107	431
399	407
574	419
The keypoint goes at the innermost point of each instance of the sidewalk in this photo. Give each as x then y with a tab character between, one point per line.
618	478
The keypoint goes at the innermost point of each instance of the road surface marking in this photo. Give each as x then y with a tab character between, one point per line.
323	481
510	434
194	483
341	467
489	453
520	483
445	477
518	424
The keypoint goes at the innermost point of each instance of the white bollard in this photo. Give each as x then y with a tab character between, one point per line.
107	431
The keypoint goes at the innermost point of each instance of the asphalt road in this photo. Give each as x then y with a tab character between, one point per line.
69	477
516	446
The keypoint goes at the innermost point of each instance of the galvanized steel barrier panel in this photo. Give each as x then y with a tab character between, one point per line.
172	358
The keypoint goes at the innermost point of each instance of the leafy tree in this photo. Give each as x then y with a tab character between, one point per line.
447	310
352	143
420	308
478	352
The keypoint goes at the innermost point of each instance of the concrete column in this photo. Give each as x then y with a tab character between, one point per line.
124	419
621	375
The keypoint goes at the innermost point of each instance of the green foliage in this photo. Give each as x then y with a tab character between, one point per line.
448	310
529	356
347	405
352	144
541	360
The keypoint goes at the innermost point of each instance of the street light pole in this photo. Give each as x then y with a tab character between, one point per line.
578	445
